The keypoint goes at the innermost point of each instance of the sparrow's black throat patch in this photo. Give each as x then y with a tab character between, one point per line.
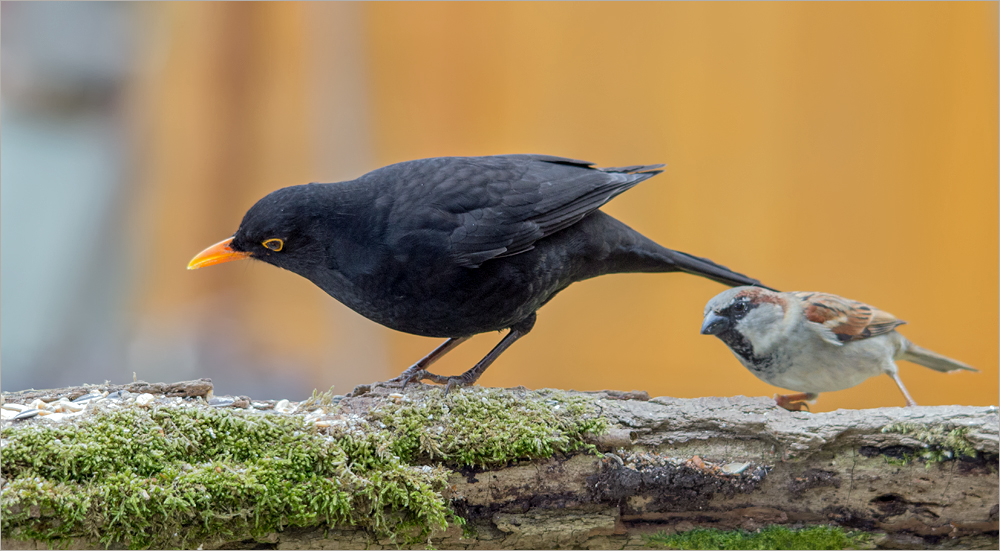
736	341
742	347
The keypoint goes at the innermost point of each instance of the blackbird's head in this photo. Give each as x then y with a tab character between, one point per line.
280	229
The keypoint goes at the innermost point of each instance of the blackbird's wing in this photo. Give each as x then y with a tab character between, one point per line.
842	320
473	209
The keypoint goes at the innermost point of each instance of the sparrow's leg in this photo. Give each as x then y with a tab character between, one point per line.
408	376
471	376
899	383
795	402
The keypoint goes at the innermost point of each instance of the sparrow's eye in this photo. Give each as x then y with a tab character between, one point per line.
274	244
740	308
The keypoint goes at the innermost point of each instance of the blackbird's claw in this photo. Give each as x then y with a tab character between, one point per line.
411	374
436	379
456	382
416	376
422	375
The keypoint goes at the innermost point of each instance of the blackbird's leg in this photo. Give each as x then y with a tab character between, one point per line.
795	402
899	382
425	362
407	376
468	378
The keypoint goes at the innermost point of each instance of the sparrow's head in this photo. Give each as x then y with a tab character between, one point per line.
744	314
281	229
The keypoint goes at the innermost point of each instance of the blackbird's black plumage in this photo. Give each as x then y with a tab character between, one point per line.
455	246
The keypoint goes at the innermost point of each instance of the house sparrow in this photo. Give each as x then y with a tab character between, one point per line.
813	342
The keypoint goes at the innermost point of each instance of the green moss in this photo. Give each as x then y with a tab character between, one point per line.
177	476
318	400
772	537
489	427
940	443
899	461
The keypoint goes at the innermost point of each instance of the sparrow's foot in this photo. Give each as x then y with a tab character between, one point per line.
795	402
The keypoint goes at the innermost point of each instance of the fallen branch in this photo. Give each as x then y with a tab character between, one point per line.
519	468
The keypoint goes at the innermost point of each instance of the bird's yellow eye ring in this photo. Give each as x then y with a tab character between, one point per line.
274	244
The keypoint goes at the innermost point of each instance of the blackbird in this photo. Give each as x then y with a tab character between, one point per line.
455	246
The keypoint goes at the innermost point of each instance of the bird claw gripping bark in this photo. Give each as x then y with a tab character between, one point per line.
415	377
794	402
458	382
449	382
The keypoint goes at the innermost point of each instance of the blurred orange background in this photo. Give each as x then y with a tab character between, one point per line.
849	148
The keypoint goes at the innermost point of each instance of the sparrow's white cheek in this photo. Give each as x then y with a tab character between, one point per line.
762	326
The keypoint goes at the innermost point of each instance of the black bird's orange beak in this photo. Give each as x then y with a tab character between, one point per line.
216	254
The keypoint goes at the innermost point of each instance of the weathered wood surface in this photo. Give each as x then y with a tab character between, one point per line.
839	467
197	387
921	477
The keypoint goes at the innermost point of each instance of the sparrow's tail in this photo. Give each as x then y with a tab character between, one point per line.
933	360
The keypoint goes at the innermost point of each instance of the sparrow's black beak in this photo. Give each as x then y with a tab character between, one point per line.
714	324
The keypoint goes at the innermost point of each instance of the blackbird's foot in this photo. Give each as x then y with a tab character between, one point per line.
408	377
417	376
411	375
457	382
795	402
468	378
400	380
449	382
418	371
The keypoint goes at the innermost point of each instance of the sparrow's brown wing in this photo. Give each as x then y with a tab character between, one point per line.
848	320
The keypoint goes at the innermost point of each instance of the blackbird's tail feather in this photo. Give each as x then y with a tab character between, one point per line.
634	252
652	170
706	268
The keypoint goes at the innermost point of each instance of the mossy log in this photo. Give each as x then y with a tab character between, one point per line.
484	468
